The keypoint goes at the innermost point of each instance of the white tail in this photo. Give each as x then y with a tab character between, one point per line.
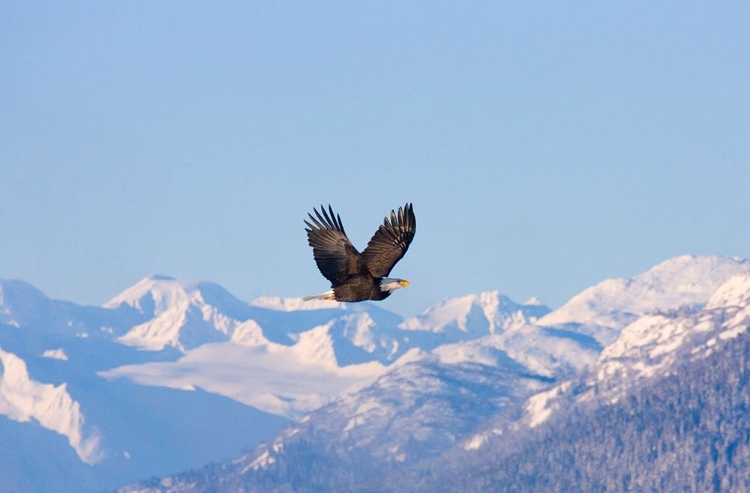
328	295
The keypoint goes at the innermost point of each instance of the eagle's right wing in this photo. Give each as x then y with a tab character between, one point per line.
334	253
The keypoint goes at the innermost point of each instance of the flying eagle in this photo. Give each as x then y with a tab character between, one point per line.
355	276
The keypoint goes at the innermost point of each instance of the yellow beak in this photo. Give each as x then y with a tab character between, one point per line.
403	283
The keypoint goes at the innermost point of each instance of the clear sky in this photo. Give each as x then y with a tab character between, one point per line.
546	146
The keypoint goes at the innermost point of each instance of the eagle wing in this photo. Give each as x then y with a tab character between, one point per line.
335	255
390	242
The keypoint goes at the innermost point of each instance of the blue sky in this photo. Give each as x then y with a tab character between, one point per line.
546	146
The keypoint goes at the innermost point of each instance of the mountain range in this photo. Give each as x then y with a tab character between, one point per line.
281	395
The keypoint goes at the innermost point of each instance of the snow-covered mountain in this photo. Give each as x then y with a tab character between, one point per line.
173	374
603	310
646	349
180	314
179	364
72	430
522	359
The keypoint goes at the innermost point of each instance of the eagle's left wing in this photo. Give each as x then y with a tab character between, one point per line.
333	252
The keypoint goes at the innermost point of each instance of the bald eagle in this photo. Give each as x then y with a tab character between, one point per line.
355	276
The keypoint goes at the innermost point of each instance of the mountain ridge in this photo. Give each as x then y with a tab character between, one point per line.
434	388
399	389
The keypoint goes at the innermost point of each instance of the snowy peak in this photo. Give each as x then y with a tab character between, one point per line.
156	294
151	295
612	304
475	315
182	314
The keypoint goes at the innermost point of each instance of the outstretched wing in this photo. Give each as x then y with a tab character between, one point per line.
390	242
333	252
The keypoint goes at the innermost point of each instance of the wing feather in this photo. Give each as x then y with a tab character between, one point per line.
334	254
390	242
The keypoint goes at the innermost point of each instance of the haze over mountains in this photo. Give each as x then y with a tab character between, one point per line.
171	375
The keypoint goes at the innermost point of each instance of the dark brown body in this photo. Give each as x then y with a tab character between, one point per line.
360	288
